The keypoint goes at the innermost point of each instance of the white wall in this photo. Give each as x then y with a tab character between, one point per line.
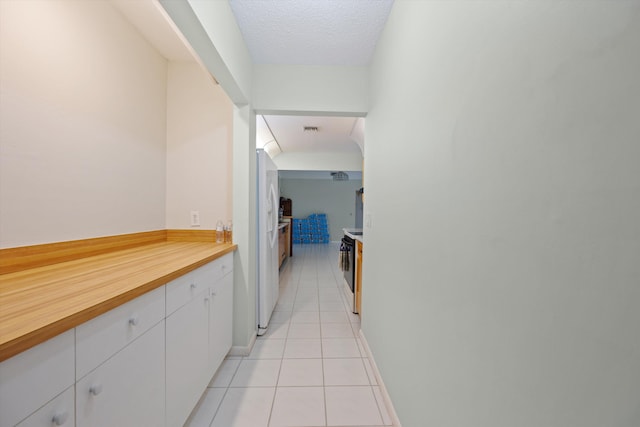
244	228
199	148
319	161
82	128
515	199
358	133
211	30
280	89
337	199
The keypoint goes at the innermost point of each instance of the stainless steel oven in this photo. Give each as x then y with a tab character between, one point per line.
349	269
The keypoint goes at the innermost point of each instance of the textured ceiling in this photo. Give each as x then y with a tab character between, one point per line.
311	32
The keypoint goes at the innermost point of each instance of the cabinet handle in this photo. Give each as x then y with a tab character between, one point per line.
206	299
95	389
193	286
213	294
60	418
134	320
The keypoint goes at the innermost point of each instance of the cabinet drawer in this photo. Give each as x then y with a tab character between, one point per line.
102	337
59	412
218	268
181	290
34	377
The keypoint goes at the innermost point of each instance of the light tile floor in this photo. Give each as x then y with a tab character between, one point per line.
309	369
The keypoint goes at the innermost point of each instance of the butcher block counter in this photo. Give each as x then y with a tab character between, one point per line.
39	303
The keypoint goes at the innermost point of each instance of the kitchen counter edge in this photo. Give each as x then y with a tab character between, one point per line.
194	255
357	237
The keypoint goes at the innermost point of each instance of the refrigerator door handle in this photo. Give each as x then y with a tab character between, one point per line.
274	216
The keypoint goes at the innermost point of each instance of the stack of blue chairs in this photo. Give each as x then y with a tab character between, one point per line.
313	229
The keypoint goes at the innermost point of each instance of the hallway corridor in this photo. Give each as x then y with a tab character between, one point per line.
309	369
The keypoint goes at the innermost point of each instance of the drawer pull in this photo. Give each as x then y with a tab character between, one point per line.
134	320
60	418
95	389
193	286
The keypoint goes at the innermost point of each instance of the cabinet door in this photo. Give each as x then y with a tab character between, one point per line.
220	322
187	351
128	389
32	378
58	412
358	284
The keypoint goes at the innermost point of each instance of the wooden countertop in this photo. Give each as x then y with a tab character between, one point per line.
39	303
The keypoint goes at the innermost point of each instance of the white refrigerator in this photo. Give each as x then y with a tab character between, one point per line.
268	276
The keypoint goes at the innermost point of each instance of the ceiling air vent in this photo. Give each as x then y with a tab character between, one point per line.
340	176
310	128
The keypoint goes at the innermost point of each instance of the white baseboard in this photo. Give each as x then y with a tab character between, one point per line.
238	350
383	390
348	295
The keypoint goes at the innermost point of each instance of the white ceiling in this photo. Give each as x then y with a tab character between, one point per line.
311	32
334	134
325	175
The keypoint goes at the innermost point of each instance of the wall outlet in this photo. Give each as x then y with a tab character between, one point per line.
195	218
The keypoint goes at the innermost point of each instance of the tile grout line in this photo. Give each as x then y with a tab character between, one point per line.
226	390
275	392
324	386
294	280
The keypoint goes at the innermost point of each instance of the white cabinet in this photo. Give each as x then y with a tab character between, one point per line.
187	346
58	412
144	363
220	321
128	389
33	378
102	337
199	334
